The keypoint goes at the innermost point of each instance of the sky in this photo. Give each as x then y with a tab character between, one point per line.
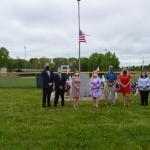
49	28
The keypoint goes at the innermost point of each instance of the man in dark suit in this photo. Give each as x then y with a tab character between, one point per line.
60	82
48	79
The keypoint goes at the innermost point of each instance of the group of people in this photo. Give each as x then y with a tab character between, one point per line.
112	86
98	87
48	82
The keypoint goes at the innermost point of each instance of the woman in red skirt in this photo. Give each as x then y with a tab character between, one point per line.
125	88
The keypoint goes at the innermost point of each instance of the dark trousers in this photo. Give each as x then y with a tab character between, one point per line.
46	97
59	93
144	97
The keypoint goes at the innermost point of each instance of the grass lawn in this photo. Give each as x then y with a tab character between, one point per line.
16	82
25	126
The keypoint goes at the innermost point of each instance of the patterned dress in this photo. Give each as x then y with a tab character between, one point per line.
95	87
75	87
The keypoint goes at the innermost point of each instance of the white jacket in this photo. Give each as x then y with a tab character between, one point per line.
144	84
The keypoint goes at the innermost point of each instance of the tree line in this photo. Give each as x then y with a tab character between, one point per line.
87	63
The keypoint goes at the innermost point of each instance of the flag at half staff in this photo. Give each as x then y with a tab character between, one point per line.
82	37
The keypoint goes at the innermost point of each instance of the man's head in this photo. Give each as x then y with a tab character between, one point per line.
143	74
110	68
46	66
59	71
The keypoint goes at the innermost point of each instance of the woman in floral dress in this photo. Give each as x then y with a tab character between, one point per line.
95	89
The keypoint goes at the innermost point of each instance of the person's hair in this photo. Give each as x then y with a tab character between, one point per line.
74	73
94	72
124	69
46	65
144	72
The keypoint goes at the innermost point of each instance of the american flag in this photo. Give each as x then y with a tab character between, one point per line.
82	37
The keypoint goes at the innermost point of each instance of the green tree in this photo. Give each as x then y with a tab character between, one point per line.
60	61
34	63
112	60
103	61
4	57
84	64
44	60
73	62
93	61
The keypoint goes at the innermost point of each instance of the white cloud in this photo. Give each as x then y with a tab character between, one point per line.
50	28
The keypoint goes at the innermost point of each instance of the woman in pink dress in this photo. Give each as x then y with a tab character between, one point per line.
75	89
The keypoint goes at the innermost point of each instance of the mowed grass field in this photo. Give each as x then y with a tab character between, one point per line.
15	82
25	126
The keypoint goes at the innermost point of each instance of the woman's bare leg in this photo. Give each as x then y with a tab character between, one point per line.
94	101
124	100
97	102
127	98
77	102
74	103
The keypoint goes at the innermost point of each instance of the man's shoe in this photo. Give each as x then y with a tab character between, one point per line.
49	105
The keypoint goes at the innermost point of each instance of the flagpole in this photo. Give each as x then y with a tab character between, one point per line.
79	34
143	65
107	65
25	50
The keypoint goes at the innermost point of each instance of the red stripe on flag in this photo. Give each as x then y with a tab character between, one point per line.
82	37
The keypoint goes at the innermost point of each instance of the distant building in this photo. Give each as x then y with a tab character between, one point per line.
64	68
3	70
